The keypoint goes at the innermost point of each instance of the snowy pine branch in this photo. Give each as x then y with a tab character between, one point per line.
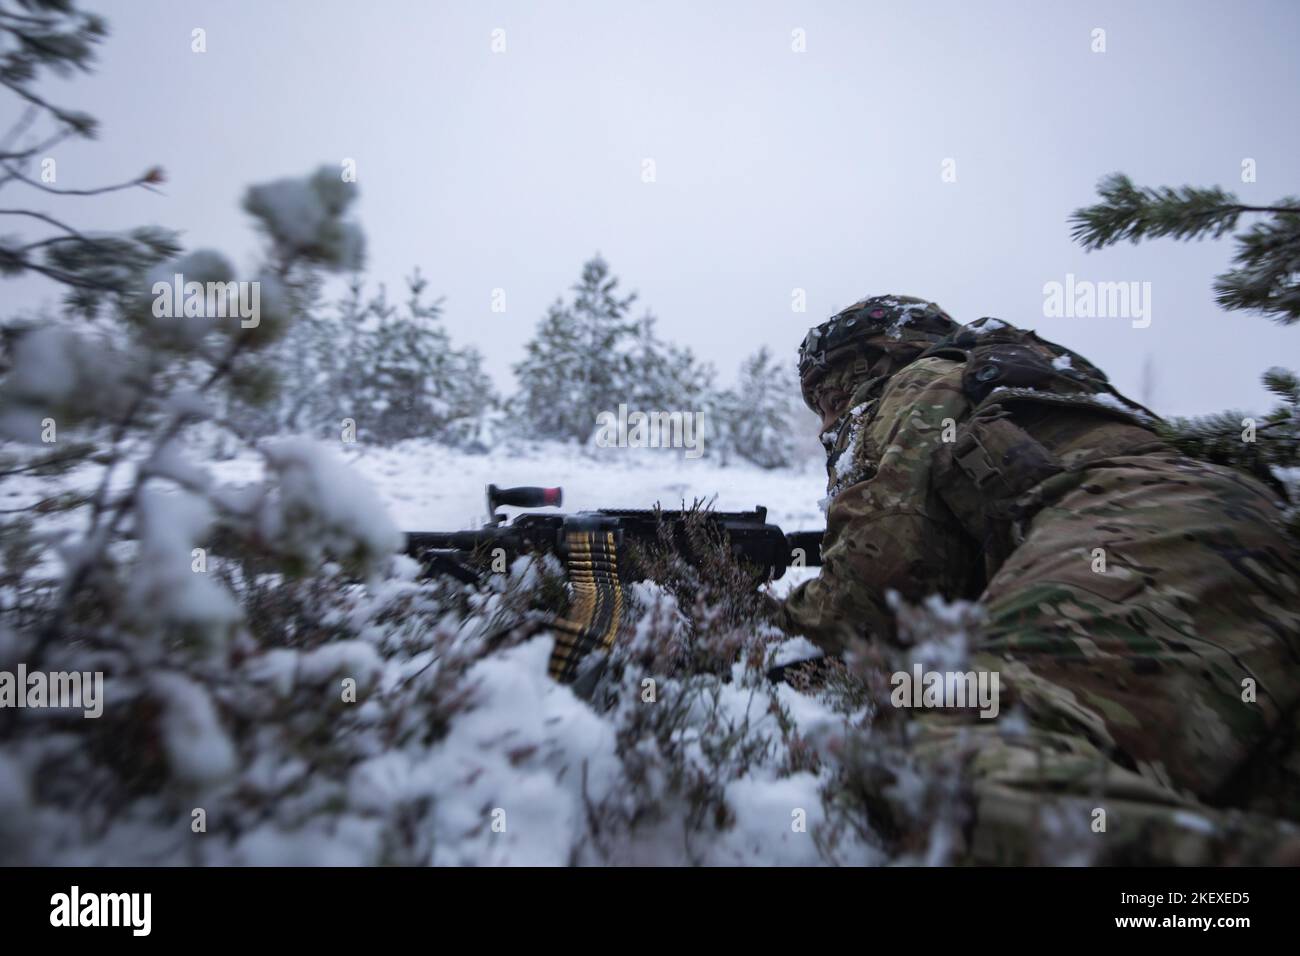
1267	274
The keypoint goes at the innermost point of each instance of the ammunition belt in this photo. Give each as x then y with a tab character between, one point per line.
596	610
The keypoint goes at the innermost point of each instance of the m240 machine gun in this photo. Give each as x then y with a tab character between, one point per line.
598	549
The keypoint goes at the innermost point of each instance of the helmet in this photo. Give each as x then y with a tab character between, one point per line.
897	325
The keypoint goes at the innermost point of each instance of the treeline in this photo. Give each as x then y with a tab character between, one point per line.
390	370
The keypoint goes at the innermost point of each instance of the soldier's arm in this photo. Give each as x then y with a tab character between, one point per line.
889	530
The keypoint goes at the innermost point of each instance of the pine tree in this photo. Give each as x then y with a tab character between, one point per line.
1265	279
314	363
96	271
589	356
756	415
577	364
410	382
391	369
1257	444
660	375
1267	275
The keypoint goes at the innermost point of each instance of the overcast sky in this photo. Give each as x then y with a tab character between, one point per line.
775	170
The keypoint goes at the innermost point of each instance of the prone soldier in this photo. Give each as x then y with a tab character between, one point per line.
1141	608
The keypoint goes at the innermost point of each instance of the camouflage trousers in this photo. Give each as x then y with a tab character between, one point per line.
1146	633
1029	797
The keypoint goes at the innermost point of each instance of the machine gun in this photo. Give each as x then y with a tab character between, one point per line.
598	548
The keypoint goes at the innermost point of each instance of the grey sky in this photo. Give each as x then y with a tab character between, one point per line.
776	170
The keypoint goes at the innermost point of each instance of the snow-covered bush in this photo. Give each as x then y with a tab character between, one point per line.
147	578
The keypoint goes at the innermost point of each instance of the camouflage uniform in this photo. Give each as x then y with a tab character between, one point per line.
1140	607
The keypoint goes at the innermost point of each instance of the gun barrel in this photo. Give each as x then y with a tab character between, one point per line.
809	542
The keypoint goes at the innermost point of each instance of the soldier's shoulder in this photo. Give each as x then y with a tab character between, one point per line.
934	366
930	385
934	371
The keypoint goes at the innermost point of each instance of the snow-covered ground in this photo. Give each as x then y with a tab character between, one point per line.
429	487
527	754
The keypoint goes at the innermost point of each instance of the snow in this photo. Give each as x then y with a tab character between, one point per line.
291	209
765	828
56	375
323	508
277	668
169	461
303	216
197	747
1110	401
846	464
1194	822
848	470
159	312
44	366
428	487
188	403
274	313
539	794
346	841
985	325
355	659
797	648
814	720
516	777
165	588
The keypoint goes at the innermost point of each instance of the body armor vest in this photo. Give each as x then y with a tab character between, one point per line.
1040	416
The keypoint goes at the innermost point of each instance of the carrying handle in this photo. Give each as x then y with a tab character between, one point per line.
524	496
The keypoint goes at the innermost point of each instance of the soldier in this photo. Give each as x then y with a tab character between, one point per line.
1141	608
